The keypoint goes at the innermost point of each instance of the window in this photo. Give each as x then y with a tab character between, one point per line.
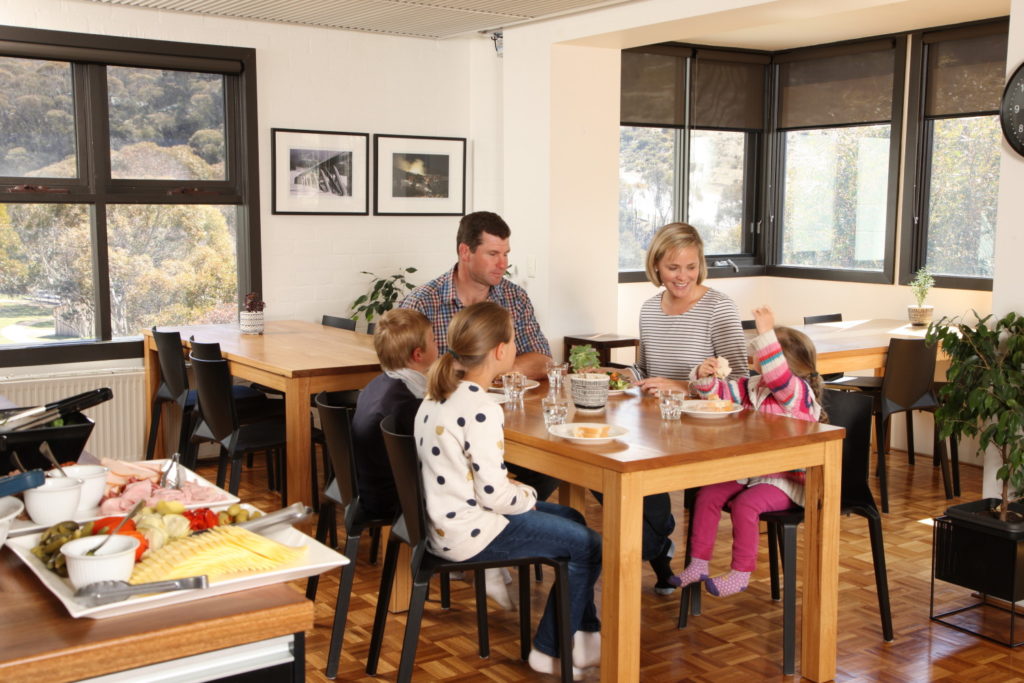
949	222
129	170
691	126
836	204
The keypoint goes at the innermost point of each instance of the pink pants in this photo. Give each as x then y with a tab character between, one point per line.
746	504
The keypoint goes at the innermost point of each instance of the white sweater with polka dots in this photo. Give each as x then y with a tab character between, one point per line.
466	487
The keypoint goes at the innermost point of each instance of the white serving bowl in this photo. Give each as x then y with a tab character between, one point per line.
94	483
10	507
56	500
114	561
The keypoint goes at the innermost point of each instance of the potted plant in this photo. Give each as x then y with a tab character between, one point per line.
921	284
977	546
250	320
588	386
384	293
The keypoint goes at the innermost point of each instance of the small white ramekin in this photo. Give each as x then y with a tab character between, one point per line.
114	561
56	500
94	483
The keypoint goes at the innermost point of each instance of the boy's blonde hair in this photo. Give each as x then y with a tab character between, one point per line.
670	238
472	334
802	358
399	332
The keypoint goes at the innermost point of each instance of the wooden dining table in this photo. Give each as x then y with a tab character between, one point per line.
297	357
658	456
39	641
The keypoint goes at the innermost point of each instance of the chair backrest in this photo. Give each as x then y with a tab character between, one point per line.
748	324
216	402
405	467
909	376
851	410
370	328
335	321
204	350
335	410
825	318
172	361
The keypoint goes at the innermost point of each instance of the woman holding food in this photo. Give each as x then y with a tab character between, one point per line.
680	327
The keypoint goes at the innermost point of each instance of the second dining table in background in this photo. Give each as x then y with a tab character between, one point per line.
297	357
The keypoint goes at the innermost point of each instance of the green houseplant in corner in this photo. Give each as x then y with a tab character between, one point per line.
979	545
384	293
921	284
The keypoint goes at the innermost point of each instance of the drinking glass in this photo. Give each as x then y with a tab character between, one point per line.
514	384
670	404
556	375
556	409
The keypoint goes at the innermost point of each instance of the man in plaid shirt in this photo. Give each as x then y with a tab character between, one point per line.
479	275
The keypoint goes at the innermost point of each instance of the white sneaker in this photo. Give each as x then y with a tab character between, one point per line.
586	649
494	584
546	664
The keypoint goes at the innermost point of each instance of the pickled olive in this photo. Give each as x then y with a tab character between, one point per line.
223	518
234	510
242	516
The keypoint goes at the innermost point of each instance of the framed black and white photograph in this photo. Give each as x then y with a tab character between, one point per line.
419	176
320	172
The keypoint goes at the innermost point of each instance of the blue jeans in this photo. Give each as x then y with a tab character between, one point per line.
554	531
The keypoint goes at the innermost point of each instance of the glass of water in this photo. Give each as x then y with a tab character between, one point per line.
556	409
514	384
670	403
556	375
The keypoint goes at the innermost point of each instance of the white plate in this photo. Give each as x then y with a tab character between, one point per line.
530	384
318	559
697	408
618	392
20	527
567	431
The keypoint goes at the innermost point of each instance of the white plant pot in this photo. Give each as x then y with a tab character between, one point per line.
920	315
589	390
250	322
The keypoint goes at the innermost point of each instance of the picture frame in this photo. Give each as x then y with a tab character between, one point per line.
419	175
319	172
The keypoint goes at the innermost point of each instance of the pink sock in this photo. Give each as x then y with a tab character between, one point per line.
729	584
696	571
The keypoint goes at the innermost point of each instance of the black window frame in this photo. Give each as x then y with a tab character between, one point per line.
89	55
917	169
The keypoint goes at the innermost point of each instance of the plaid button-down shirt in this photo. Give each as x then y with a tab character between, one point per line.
439	301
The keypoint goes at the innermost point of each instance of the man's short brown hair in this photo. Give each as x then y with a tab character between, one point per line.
399	332
474	225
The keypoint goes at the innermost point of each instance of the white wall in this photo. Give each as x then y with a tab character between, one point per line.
331	80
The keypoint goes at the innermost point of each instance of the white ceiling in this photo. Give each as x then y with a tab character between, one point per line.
415	18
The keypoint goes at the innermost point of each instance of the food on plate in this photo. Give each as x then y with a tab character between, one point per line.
51	540
106	525
591	432
715	405
190	492
722	370
160	529
218	553
122	472
618	381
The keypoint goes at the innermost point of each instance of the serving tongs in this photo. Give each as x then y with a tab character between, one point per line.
175	467
106	592
296	512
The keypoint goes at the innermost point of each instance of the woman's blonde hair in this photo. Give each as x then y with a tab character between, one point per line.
472	334
399	332
670	238
802	358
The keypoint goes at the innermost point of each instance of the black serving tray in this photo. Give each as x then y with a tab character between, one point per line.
67	442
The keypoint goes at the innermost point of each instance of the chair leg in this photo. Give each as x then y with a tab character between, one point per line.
222	470
881	573
939	447
321	535
348	573
538	572
314	475
412	630
446	590
563	619
185	431
524	611
910	437
374	544
773	558
480	586
789	599
954	452
387	580
154	426
332	523
881	425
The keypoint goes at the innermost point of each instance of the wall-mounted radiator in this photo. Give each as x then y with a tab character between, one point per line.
120	422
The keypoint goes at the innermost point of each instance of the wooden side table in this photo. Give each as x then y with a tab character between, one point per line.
602	343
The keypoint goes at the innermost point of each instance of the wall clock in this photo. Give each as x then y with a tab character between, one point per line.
1011	112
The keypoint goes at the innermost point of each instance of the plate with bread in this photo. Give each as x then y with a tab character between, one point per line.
590	433
711	409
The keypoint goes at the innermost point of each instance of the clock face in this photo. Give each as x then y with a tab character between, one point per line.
1011	113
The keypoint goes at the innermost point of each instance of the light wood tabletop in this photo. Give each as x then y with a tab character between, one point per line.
657	456
297	357
39	641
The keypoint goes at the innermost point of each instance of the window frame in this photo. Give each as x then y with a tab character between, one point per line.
89	56
916	179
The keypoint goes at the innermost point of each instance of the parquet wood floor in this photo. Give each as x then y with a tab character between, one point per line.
736	639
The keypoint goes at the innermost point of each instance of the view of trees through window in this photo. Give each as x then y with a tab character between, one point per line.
715	202
834	197
963	192
168	263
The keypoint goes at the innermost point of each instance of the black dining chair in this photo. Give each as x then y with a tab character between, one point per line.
410	529
219	424
852	411
748	324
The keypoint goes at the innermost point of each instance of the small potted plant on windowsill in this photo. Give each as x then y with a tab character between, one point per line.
921	284
589	387
250	320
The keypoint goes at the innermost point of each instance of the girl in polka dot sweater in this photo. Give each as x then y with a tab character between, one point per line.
474	510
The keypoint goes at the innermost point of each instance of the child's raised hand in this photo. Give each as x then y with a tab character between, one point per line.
764	319
707	368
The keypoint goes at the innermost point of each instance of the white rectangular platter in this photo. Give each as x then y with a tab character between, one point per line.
318	559
21	527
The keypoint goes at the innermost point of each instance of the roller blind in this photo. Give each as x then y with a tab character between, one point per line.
965	69
652	87
728	90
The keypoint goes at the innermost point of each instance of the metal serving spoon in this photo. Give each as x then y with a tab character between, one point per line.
134	510
45	449
105	592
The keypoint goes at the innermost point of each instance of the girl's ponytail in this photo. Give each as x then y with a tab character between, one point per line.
443	377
